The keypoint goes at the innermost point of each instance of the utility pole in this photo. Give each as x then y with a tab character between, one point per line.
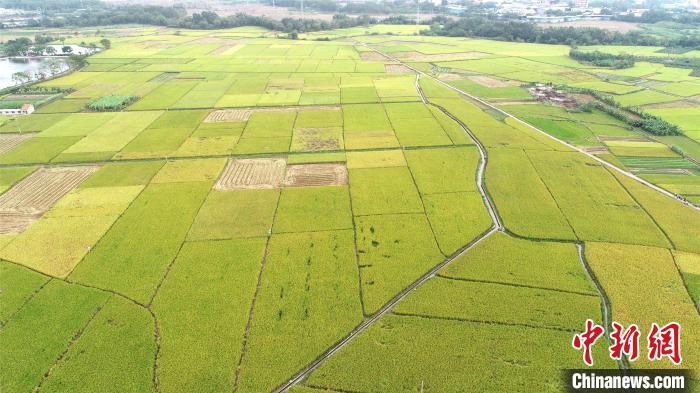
417	12
302	8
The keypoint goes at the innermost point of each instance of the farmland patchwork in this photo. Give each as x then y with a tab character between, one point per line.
224	210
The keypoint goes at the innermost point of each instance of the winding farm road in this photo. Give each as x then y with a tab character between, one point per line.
496	227
592	156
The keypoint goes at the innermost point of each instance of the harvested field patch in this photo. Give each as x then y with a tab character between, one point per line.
596	149
488	81
316	175
16	222
9	176
40	190
24	203
372	56
9	141
252	173
449	77
227	115
316	139
397	69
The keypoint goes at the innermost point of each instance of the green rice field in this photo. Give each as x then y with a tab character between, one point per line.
271	215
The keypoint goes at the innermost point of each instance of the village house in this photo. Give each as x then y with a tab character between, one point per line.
26	109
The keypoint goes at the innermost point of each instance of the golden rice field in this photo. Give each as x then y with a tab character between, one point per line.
337	215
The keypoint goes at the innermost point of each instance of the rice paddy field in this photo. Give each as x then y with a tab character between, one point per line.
501	72
316	216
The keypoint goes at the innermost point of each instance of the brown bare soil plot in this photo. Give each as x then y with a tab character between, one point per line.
252	173
596	149
396	69
9	141
16	222
448	77
29	199
306	175
372	56
488	81
226	115
315	139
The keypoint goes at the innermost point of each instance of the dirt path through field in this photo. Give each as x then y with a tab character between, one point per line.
496	227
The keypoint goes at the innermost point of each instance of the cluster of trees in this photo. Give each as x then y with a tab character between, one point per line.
510	30
649	123
633	116
25	47
105	15
620	61
660	15
49	68
602	59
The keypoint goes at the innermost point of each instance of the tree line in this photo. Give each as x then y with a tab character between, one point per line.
632	115
177	17
359	8
602	59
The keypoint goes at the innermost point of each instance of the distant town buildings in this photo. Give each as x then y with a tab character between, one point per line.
579	4
10	18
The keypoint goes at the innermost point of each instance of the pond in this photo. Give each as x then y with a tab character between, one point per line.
9	66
